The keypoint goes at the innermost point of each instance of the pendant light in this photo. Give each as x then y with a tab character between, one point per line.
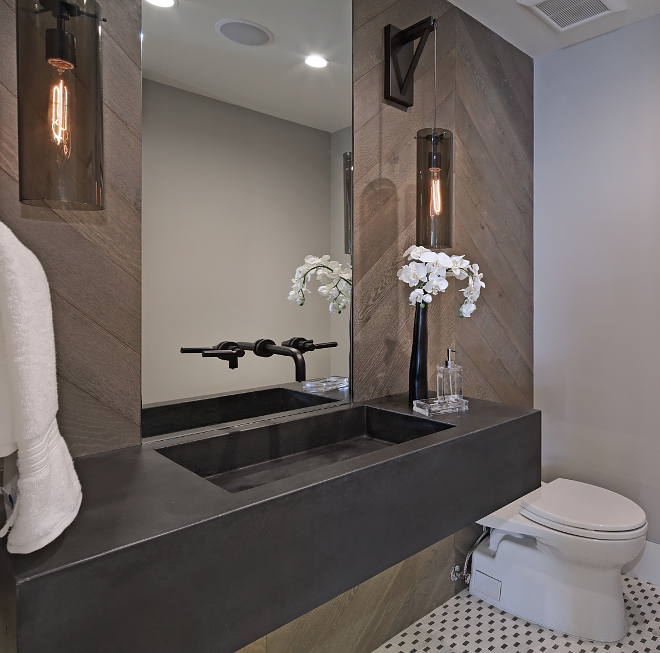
434	198
60	104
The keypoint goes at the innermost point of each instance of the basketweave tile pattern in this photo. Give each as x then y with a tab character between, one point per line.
468	625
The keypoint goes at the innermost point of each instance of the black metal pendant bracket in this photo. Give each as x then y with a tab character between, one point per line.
401	59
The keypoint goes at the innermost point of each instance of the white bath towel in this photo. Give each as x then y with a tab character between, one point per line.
42	492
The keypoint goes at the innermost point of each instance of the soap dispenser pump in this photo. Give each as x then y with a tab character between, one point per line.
450	378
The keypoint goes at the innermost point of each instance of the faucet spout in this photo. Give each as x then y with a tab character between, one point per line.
298	360
266	348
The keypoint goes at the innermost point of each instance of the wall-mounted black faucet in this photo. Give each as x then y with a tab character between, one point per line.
294	347
304	345
232	351
225	351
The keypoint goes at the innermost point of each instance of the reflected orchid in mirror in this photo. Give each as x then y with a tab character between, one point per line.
336	282
427	273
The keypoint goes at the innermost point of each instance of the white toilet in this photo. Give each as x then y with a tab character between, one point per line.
555	556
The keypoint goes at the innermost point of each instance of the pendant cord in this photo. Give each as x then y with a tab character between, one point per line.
435	73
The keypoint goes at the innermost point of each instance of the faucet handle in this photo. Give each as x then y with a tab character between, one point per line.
226	351
304	345
229	354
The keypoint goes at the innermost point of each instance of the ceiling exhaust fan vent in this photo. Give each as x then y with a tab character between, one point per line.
565	14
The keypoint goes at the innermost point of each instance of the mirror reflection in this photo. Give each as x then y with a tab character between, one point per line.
246	149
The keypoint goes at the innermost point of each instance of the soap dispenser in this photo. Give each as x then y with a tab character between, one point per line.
450	378
450	390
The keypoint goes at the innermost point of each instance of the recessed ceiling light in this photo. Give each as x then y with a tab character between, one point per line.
316	62
244	32
163	3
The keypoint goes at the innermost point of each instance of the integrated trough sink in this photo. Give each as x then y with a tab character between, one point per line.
164	418
169	551
241	460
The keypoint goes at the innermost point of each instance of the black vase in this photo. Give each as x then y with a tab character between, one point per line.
417	379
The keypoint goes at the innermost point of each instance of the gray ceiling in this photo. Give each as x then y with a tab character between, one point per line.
182	48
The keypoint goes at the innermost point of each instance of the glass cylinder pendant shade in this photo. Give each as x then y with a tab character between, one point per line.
434	188
60	104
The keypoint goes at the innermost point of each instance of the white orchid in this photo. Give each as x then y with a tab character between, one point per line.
336	282
436	284
466	309
412	274
418	296
459	266
436	263
414	252
427	274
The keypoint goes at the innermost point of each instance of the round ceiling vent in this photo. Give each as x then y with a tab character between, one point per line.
244	32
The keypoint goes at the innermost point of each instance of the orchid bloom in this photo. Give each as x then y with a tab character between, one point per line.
412	274
428	271
336	282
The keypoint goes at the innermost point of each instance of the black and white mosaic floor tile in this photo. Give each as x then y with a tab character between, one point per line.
466	624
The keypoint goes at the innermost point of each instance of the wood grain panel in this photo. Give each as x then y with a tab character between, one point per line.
122	155
366	10
363	618
485	96
8	133
255	647
485	239
94	360
7	48
124	26
76	270
91	259
122	86
89	425
501	132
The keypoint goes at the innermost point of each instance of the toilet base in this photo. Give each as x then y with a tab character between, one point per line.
537	586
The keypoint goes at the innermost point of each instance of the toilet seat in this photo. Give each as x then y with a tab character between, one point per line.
584	510
583	532
566	503
569	502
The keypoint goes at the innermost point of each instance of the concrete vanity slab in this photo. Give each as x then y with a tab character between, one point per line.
162	560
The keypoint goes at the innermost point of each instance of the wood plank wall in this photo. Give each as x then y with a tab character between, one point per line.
92	259
363	618
485	96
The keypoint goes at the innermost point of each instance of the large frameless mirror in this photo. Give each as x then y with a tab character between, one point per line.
244	176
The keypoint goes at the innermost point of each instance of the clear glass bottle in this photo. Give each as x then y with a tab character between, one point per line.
450	378
450	390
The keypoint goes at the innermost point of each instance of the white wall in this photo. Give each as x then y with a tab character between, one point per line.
597	262
233	202
341	141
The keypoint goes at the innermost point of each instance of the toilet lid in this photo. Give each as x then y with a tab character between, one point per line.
584	506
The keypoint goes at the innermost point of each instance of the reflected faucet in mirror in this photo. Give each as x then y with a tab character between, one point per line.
264	348
226	351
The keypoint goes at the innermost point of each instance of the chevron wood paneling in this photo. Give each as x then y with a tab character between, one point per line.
363	618
91	259
485	96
